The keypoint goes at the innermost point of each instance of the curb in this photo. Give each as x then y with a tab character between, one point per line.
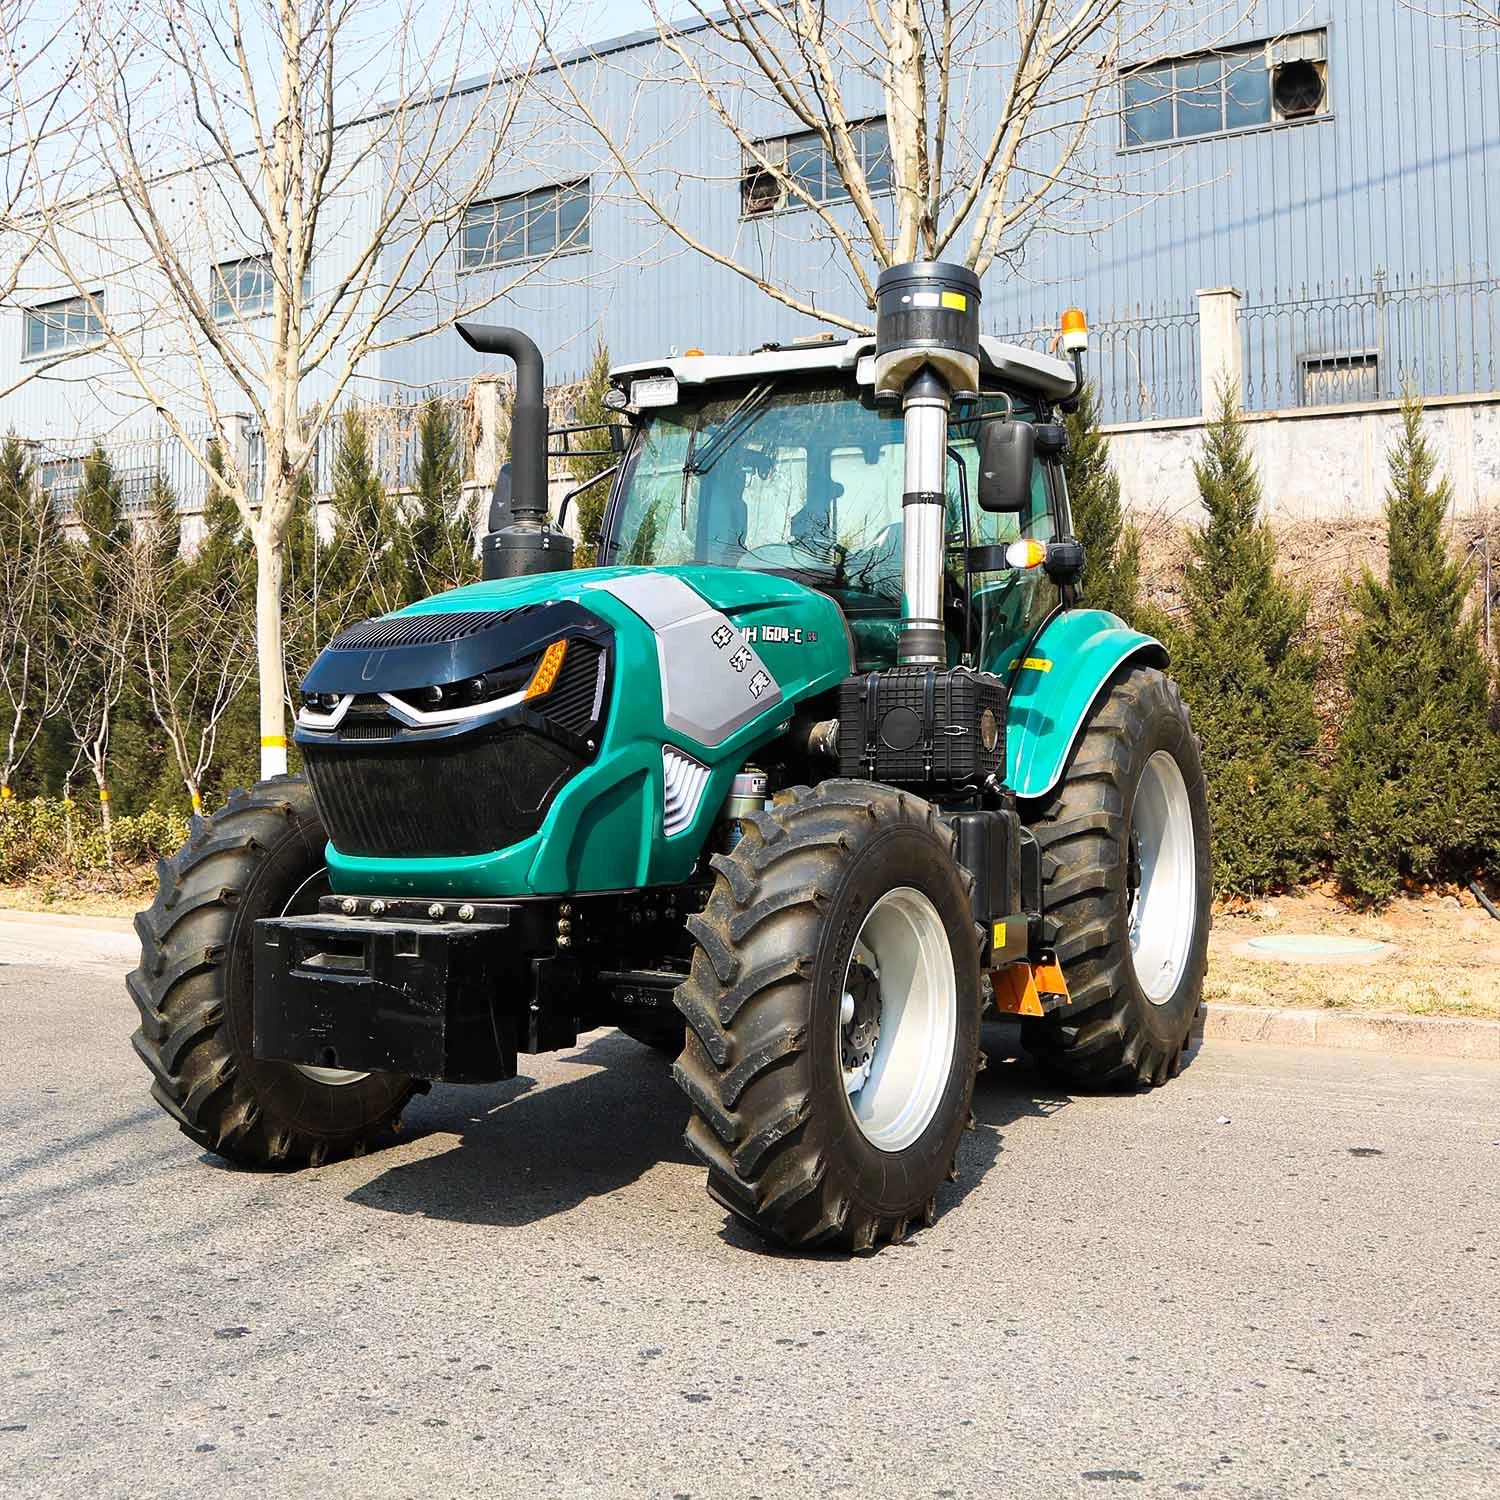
1355	1031
65	919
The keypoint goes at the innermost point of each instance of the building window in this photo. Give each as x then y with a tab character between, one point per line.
1340	379
804	160
550	221
55	326
1270	83
244	288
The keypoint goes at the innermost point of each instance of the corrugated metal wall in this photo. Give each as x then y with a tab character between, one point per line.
1402	178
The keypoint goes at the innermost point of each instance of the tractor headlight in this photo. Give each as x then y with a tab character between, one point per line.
481	695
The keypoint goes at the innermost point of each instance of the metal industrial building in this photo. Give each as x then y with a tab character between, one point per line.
1336	164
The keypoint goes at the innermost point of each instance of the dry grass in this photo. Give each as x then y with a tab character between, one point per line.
120	895
1447	959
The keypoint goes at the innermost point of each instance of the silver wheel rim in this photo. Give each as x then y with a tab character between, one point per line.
1163	878
898	1019
335	1077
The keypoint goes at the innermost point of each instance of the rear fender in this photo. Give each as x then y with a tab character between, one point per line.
1054	688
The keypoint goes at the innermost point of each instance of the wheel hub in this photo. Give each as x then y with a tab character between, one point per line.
898	1019
859	1018
1161	879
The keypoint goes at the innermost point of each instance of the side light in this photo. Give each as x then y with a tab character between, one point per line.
1025	554
692	354
547	670
1075	331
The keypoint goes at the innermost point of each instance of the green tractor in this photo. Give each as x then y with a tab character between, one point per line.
821	762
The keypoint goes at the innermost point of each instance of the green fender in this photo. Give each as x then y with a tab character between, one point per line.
1054	688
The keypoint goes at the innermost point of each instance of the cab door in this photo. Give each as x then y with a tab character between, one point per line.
999	609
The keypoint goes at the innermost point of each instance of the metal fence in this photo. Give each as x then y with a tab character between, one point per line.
139	461
1324	348
392	431
1362	341
1142	366
1371	342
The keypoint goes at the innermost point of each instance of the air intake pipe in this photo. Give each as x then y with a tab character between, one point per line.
520	539
926	355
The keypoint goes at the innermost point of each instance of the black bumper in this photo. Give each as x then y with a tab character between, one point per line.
436	1000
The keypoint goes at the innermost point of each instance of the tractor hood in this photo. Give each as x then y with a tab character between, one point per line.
558	732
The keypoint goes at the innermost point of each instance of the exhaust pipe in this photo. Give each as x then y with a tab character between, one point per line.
926	356
520	539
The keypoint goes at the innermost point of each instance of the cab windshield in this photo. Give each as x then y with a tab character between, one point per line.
806	483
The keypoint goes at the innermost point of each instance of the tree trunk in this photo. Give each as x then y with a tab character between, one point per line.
105	817
269	656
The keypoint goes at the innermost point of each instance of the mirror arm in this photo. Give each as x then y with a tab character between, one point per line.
1069	403
1007	415
588	484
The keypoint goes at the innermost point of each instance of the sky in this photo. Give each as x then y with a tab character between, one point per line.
46	34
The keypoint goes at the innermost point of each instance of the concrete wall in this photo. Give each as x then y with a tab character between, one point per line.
1317	463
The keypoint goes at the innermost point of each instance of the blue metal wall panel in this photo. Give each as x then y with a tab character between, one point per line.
1402	177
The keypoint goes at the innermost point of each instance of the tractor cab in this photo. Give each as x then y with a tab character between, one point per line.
783	462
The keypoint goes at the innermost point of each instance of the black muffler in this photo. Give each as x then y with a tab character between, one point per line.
521	539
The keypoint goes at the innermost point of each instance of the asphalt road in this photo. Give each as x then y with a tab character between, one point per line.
1278	1276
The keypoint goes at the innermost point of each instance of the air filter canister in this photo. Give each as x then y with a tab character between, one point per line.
927	313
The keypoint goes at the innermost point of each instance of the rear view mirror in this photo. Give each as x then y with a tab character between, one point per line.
1007	451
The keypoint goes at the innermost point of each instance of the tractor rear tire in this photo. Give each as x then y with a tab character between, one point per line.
833	1017
1127	891
261	856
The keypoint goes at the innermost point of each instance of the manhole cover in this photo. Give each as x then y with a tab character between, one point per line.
1318	947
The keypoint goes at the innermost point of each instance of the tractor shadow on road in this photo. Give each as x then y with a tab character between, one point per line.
526	1151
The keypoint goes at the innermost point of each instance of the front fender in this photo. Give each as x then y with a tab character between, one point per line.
1054	688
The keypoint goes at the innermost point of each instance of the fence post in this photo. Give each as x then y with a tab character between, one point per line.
1219	354
237	435
489	448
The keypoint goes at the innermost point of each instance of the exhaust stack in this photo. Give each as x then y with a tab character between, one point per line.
926	356
520	540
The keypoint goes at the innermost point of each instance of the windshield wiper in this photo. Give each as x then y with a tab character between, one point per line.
734	426
687	464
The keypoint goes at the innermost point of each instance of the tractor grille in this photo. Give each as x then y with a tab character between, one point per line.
416	630
440	798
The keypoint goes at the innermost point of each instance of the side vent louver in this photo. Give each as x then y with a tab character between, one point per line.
684	780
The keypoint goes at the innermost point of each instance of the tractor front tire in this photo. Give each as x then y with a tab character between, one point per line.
1127	886
261	856
833	1017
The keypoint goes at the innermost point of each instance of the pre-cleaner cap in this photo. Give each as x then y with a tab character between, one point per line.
927	313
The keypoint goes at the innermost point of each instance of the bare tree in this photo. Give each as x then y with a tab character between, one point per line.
220	258
1484	15
97	605
196	639
989	112
41	110
36	670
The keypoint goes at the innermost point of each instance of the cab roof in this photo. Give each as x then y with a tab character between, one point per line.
1025	369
